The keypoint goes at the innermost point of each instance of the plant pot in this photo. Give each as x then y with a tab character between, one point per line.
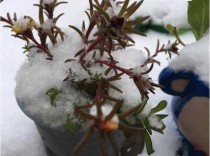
190	107
59	142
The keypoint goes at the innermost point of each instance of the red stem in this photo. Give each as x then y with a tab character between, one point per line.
97	41
41	47
128	72
90	28
5	20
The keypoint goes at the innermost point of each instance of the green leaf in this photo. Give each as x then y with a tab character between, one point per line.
198	17
71	126
148	142
162	116
52	93
159	107
146	124
143	104
170	28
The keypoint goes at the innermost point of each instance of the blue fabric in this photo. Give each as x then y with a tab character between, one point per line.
195	88
187	146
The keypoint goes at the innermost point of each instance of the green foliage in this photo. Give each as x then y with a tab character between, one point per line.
52	93
198	17
143	104
71	126
162	105
88	87
174	32
148	142
146	124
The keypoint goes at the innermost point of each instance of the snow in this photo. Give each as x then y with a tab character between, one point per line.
21	24
18	134
32	86
48	1
106	109
154	122
165	12
114	10
137	71
194	58
177	19
48	24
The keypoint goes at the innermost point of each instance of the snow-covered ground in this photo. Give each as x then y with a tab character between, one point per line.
19	136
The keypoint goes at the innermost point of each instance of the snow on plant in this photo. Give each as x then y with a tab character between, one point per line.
93	69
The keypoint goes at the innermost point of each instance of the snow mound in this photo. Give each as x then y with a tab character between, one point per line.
169	12
38	75
194	58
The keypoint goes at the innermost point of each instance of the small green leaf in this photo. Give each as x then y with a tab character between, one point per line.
143	104
198	17
146	124
71	126
148	142
52	93
159	107
170	28
162	116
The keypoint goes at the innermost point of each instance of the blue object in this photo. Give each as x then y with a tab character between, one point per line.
194	88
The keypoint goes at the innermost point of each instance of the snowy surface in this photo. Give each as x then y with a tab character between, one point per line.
194	58
163	12
18	133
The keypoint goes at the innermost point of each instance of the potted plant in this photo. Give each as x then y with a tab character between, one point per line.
77	84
